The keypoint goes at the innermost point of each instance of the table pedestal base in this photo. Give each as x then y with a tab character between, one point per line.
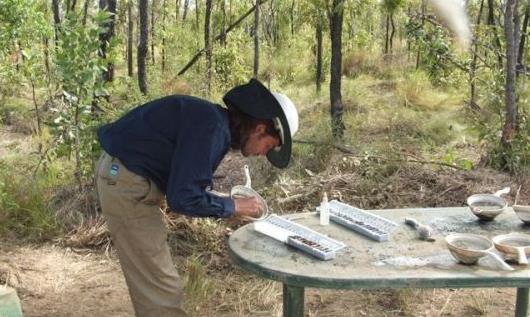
521	304
293	301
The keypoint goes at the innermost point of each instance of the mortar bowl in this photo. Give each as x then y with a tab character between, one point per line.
486	207
468	248
523	212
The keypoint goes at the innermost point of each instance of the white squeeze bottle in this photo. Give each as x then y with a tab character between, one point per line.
324	210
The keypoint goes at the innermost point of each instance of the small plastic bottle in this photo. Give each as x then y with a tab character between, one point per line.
324	210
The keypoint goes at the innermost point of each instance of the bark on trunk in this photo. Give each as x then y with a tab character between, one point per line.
524	30
85	11
163	36
473	66
511	26
318	34
256	39
104	38
177	11
130	29
207	45
56	18
223	22
185	13
143	45
493	24
392	32
387	32
153	20
337	108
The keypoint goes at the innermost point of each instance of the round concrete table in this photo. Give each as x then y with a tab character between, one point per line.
402	262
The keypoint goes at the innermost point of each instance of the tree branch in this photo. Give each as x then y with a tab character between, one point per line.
217	38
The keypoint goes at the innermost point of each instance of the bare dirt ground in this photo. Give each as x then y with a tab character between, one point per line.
56	282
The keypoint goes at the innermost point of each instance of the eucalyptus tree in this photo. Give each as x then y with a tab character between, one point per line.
318	50
106	35
163	31
390	8
143	7
153	20
522	43
185	12
335	14
56	7
208	45
512	32
130	30
256	38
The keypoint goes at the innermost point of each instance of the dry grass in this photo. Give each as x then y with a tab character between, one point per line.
91	233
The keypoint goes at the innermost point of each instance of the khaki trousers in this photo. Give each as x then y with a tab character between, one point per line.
130	205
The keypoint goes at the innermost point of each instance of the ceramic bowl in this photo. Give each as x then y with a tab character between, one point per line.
486	207
468	248
523	212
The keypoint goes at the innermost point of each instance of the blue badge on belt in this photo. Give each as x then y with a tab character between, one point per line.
114	169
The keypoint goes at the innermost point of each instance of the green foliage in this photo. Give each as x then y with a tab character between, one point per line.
434	48
78	71
452	157
229	66
513	157
391	6
23	205
22	23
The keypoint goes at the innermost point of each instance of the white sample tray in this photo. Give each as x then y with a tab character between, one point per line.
361	221
299	236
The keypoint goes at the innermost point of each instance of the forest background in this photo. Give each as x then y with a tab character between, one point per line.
394	113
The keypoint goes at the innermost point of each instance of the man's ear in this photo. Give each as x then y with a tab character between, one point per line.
260	128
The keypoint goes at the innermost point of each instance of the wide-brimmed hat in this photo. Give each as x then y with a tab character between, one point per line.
254	99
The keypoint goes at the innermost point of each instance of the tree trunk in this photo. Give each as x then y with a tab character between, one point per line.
85	11
337	108
153	21
318	30
217	38
197	15
392	32
185	13
491	22
143	45
130	28
292	18
56	19
511	26
163	36
105	37
177	11
37	112
423	10
208	46
387	32
256	39
230	12
72	7
473	66
223	22
520	54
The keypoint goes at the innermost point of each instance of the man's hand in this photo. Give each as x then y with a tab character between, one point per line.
248	206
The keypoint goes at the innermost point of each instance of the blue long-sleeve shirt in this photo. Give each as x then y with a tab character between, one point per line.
177	142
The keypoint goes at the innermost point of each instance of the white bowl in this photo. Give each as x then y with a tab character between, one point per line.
523	212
